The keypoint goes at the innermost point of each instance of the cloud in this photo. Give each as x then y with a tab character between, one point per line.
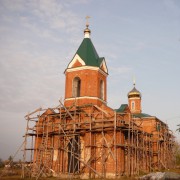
30	77
31	60
28	81
45	18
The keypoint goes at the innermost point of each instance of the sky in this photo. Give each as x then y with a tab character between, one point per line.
38	38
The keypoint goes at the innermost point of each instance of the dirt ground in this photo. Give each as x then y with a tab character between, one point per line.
15	174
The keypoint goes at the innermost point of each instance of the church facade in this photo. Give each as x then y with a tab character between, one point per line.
85	138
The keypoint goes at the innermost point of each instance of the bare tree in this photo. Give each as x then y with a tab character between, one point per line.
178	128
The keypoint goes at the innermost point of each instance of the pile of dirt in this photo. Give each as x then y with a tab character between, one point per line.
161	176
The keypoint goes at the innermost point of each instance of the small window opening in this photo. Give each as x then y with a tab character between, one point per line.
76	87
133	105
102	89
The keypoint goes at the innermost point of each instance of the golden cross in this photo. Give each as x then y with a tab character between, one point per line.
134	80
87	22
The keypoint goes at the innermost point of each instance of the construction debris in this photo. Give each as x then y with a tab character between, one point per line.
161	176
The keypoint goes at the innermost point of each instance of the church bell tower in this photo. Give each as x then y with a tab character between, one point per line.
86	75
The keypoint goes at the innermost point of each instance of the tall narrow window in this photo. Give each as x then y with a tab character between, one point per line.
73	155
76	87
133	105
102	89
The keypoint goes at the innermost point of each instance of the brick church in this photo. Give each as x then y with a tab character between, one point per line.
85	138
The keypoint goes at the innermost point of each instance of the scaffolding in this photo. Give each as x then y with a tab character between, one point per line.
91	142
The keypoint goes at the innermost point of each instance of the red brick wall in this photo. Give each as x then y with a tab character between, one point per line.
89	86
137	108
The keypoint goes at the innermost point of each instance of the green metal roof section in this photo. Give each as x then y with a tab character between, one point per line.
141	115
122	108
88	53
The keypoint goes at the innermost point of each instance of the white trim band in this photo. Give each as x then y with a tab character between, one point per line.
134	98
86	68
85	97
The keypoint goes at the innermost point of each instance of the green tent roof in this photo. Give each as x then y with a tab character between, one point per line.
122	108
88	53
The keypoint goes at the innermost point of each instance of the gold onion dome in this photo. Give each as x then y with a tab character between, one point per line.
134	93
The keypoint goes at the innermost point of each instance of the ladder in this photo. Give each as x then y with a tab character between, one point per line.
43	163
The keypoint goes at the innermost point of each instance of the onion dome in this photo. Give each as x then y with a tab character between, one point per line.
134	93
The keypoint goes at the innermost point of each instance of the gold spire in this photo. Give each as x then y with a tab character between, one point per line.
134	81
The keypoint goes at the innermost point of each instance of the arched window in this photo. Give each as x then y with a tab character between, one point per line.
102	89
76	87
133	105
